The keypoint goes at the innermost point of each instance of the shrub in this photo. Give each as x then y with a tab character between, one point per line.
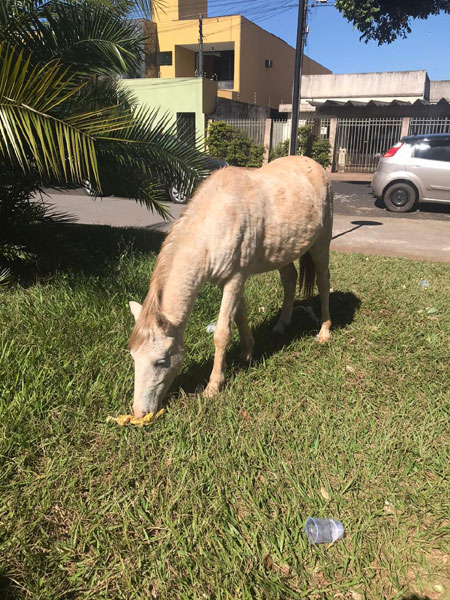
17	211
308	145
23	211
233	145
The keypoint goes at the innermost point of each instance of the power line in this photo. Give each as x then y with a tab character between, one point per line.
179	26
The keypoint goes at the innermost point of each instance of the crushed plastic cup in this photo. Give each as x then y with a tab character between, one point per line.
424	283
323	531
211	328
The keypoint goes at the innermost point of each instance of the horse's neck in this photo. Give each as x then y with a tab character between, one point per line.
182	280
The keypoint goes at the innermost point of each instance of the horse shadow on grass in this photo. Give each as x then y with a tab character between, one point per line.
9	590
343	307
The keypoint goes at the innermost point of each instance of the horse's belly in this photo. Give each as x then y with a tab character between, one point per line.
282	247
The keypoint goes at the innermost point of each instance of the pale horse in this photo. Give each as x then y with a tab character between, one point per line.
239	222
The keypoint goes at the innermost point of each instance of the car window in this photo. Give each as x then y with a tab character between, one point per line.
433	150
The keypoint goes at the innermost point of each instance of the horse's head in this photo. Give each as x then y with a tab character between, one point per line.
157	350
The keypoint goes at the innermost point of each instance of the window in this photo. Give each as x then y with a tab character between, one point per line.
165	59
186	128
433	149
217	65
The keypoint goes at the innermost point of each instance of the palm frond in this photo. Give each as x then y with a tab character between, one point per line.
5	276
64	148
69	131
87	36
153	139
142	161
97	93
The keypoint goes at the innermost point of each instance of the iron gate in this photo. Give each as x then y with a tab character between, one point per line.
361	142
281	130
254	128
421	125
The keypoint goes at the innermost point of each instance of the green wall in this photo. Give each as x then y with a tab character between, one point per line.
183	94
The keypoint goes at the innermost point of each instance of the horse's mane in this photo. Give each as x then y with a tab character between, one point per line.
151	312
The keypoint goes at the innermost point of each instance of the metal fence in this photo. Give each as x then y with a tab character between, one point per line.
361	142
254	128
421	125
281	130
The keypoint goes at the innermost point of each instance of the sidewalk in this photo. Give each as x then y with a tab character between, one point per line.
418	240
360	177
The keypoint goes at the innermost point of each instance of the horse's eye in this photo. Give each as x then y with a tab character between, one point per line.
162	362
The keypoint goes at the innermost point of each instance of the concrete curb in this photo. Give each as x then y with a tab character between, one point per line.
417	240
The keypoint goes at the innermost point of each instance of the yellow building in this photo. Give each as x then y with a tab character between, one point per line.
250	64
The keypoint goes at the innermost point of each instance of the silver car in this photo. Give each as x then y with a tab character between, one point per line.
416	169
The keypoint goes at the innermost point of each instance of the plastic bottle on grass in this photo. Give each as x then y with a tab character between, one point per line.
323	531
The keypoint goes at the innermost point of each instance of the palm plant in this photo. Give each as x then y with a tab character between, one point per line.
62	109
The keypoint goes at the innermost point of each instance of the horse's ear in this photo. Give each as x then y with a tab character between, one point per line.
135	308
163	322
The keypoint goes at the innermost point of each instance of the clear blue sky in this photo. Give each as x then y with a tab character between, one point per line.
334	42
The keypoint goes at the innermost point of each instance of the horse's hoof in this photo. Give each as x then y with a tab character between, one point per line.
323	338
246	356
210	391
279	329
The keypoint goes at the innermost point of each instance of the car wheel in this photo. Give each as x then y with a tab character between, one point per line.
177	194
87	187
400	197
91	191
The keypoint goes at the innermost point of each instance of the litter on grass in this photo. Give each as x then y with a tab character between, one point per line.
432	311
323	531
424	283
123	420
211	328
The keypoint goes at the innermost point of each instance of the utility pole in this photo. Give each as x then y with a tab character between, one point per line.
301	28
200	42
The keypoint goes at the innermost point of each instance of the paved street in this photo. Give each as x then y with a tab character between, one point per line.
118	212
361	224
356	199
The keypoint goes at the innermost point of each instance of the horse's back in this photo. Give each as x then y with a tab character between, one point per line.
262	218
297	189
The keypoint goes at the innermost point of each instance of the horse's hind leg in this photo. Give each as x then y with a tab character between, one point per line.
231	298
245	334
288	276
320	253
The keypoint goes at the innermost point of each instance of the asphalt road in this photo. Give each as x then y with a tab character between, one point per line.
353	199
112	210
356	199
361	224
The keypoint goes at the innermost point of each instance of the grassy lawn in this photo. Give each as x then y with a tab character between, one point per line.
210	501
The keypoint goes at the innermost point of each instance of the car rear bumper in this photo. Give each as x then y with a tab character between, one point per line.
378	184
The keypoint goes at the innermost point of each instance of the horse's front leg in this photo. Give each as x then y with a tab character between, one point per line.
231	298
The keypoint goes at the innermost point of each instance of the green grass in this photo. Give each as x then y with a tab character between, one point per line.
210	501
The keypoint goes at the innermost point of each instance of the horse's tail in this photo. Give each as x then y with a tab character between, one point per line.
307	274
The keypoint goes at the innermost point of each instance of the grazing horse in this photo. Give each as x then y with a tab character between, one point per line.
239	222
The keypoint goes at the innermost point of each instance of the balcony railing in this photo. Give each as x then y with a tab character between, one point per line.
226	85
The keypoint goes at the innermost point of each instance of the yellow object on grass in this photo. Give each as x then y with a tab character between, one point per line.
123	420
